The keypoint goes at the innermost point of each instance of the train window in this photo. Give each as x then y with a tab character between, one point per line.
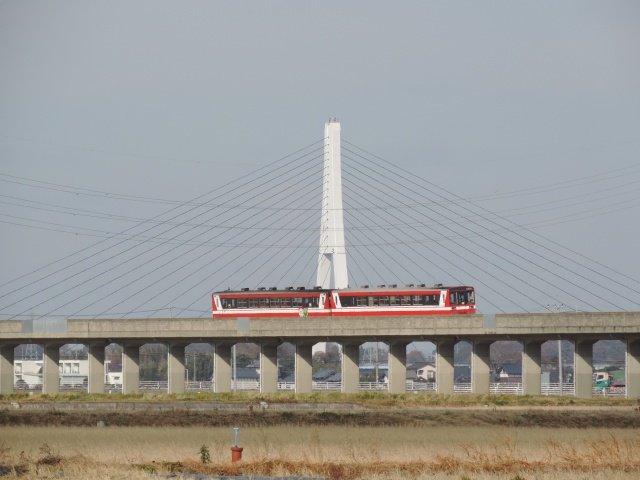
274	302
373	301
285	302
433	299
312	302
466	297
417	300
242	303
405	300
393	300
348	301
253	302
383	300
453	298
263	303
472	297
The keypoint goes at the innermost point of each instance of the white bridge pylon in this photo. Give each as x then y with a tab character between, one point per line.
332	254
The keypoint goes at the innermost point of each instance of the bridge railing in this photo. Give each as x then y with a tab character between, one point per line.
568	389
609	391
420	386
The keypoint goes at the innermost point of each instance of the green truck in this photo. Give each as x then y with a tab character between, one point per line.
608	380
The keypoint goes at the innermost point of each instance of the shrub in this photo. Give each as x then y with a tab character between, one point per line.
205	456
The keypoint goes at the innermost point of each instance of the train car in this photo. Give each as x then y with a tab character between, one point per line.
382	300
271	303
408	300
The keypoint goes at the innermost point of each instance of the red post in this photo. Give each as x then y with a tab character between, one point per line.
236	454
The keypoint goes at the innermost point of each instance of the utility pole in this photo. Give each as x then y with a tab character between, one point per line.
377	363
557	307
235	373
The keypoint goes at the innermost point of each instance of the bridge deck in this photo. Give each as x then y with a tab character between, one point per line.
580	325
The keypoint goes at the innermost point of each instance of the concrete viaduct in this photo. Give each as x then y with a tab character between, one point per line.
532	330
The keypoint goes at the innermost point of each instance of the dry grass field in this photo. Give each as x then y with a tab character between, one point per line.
340	452
420	437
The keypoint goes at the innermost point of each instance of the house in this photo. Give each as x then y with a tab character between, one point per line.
510	373
323	375
421	372
246	374
336	377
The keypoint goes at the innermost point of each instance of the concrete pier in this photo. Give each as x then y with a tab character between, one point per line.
268	368
96	378
222	368
583	368
532	368
398	367
130	367
480	367
176	370
350	367
6	368
444	366
50	368
303	367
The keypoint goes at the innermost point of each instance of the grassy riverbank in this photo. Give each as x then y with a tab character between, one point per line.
371	400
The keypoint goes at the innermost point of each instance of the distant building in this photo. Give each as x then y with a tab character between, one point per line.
422	372
510	372
29	373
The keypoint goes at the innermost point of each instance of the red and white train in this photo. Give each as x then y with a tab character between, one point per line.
383	300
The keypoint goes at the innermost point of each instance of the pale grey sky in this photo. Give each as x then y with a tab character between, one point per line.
172	99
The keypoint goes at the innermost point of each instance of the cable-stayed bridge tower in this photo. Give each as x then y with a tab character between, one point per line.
332	255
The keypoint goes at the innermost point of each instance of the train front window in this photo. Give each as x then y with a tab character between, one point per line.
461	298
228	302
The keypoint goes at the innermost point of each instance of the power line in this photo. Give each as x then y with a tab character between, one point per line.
472	221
